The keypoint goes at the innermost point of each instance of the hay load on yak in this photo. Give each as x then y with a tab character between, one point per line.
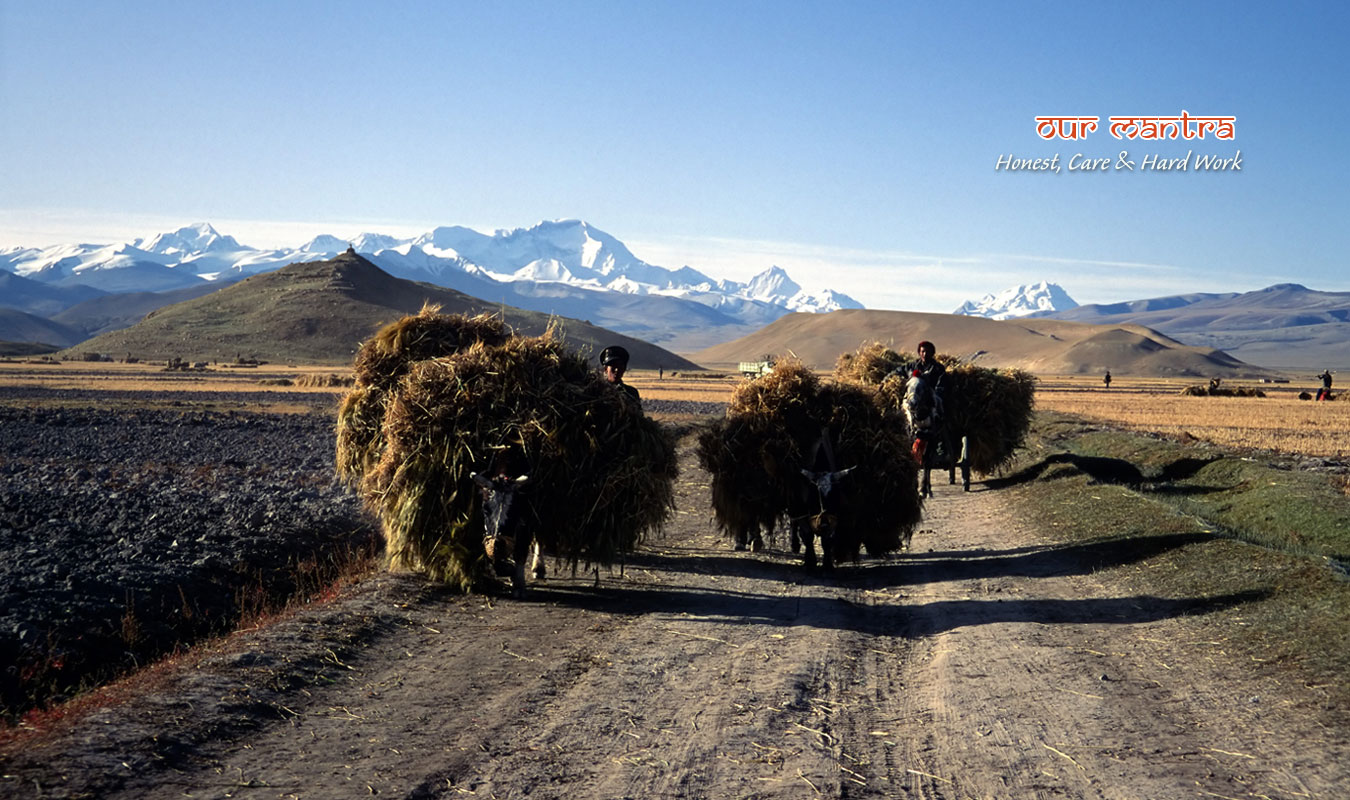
991	408
820	453
600	473
382	362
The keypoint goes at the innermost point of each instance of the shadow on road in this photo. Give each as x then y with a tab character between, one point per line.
788	601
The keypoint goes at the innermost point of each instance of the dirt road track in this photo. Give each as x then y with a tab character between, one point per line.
985	664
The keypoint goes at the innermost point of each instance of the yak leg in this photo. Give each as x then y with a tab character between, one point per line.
827	549
808	543
742	538
522	552
497	548
794	536
537	561
965	463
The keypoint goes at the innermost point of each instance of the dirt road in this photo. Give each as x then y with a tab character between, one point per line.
983	664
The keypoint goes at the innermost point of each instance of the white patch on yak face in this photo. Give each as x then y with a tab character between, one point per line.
498	496
918	402
825	481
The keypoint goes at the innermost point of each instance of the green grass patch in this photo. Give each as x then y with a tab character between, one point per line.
1254	542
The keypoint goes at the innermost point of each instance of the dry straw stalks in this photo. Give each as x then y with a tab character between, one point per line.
756	453
441	397
992	408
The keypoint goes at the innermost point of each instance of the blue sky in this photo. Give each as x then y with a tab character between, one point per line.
853	144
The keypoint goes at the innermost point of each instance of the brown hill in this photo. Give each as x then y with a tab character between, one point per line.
1044	346
1286	325
319	313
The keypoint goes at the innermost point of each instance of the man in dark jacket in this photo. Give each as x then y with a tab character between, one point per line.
614	361
933	372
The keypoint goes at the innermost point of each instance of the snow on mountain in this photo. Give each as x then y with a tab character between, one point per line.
772	285
1019	301
562	252
325	244
199	238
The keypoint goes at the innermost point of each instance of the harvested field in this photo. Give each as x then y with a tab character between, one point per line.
1277	422
127	534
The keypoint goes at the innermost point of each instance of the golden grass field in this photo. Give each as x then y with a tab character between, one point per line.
1279	421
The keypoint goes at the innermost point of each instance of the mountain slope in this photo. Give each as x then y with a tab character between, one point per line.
20	326
1043	346
39	298
112	312
1282	326
320	312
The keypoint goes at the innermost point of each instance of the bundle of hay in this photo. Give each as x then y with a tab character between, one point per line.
870	365
992	408
756	453
601	473
1221	391
325	381
383	361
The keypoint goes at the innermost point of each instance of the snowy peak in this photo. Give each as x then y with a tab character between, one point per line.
324	244
772	285
1019	301
198	238
822	302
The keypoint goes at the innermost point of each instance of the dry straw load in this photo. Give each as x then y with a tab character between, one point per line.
383	361
324	381
1214	390
756	453
601	473
992	408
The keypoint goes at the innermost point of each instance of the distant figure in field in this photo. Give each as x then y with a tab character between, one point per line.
1325	392
1214	384
1106	379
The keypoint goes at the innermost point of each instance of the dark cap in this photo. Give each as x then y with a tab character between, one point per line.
614	355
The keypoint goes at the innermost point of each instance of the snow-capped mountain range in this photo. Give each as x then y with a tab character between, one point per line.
1019	301
565	253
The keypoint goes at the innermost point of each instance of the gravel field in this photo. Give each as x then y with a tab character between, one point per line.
126	533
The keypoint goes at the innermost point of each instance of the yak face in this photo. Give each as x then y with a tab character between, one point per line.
825	481
501	515
919	404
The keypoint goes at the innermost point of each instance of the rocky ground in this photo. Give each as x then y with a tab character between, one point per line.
124	534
